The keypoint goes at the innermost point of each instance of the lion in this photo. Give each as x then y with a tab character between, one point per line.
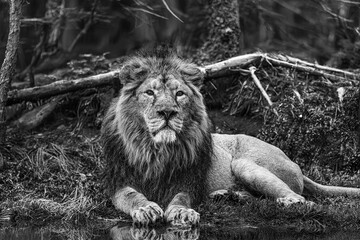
162	159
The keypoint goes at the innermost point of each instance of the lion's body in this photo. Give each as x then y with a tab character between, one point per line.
262	169
232	154
231	148
160	153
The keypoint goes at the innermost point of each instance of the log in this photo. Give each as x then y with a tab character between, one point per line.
35	117
224	67
60	87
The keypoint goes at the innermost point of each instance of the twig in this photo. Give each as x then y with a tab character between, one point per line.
34	21
350	2
172	13
314	65
146	11
262	90
314	70
258	84
328	10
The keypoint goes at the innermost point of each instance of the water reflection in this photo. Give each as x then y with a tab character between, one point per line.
135	233
205	232
129	233
214	233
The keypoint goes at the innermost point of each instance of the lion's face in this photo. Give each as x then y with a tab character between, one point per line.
164	103
160	102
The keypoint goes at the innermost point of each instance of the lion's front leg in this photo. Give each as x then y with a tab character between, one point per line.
179	212
135	204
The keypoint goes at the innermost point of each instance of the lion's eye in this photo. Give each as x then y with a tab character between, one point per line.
149	92
179	93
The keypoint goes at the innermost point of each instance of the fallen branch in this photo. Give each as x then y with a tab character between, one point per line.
314	69
314	65
60	87
229	66
262	90
220	68
35	117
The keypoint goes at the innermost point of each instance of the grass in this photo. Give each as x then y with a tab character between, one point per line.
326	215
56	180
53	174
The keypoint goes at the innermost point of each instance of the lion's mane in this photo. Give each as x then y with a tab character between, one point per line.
159	171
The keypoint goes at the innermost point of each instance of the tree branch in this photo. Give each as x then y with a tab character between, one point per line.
230	65
60	87
260	87
8	65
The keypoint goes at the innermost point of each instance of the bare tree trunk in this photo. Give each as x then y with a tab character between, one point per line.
223	40
8	66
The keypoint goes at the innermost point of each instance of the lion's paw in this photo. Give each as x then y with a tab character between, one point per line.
181	216
144	233
148	214
288	201
182	233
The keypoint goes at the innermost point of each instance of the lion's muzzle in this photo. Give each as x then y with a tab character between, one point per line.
164	124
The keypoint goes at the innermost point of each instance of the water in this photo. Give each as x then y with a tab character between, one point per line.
130	233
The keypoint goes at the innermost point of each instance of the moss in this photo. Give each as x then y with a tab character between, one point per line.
223	32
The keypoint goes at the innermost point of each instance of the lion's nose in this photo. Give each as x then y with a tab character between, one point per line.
167	114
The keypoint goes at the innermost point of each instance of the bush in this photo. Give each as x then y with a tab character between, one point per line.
319	127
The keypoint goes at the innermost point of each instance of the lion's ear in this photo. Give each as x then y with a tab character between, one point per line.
132	72
194	75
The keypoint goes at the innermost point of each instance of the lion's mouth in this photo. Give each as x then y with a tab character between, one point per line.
162	128
165	134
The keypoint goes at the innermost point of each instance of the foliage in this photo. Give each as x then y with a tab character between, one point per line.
317	125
